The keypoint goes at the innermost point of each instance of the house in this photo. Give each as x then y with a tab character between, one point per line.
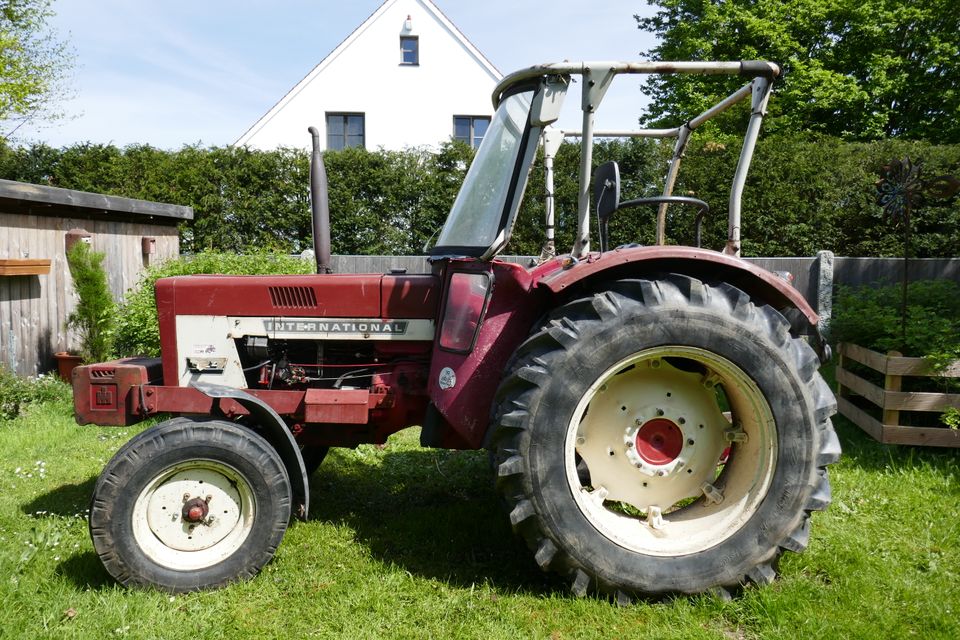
37	225
406	77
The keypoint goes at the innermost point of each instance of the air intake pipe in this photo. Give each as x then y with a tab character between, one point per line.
320	206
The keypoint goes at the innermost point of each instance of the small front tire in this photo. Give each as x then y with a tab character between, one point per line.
190	505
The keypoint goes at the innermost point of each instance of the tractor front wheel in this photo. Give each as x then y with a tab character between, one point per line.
189	505
664	436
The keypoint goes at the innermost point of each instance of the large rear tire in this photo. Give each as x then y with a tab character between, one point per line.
189	505
664	436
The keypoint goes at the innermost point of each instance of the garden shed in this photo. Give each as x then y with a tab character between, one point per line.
37	224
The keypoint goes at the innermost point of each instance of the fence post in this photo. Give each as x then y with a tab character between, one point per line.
823	272
891	417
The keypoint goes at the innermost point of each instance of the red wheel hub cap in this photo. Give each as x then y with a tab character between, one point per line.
194	510
659	441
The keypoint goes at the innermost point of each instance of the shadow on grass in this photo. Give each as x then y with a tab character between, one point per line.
434	513
85	571
65	500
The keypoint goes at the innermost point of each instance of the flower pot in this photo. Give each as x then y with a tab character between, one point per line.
66	363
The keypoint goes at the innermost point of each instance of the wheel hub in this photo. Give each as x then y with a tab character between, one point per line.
651	432
195	510
652	436
193	507
659	441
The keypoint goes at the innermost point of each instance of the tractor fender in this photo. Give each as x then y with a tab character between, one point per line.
276	432
630	262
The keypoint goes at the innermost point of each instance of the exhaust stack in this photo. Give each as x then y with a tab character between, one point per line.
320	206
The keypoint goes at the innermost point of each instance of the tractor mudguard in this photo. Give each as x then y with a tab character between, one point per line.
706	265
627	261
277	434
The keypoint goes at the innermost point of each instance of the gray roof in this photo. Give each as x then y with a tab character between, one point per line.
23	197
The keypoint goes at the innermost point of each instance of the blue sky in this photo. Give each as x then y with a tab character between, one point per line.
175	72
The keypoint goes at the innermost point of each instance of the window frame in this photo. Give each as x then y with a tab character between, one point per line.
473	142
345	136
416	51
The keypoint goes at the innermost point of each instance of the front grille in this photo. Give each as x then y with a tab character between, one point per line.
103	373
293	297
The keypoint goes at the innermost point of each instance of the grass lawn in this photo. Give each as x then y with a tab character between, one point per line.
406	542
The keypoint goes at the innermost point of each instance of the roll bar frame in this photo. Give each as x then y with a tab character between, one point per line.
596	79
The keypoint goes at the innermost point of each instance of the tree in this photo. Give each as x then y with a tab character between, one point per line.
860	69
33	63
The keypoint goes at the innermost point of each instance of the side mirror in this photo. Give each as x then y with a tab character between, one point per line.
606	189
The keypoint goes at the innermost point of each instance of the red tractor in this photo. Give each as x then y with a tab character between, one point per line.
654	414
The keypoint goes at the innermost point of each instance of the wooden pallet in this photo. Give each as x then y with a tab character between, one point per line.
891	400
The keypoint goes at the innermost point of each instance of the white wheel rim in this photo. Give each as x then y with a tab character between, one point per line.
170	539
652	436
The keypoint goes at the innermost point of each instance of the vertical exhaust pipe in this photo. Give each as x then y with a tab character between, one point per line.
320	206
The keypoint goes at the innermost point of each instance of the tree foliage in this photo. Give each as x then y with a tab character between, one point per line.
33	62
860	69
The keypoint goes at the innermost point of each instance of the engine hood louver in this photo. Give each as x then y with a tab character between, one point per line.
293	297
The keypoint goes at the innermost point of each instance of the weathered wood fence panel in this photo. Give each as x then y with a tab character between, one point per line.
34	221
891	399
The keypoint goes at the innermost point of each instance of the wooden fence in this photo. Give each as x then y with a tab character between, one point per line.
855	394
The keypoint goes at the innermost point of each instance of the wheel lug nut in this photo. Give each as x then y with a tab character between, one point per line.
690	441
186	497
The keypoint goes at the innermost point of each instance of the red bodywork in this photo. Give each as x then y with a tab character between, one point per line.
459	379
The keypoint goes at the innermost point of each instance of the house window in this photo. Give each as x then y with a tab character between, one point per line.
410	50
470	129
345	130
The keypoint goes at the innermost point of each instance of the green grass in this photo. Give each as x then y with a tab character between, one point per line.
406	542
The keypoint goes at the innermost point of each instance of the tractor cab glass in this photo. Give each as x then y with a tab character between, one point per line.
477	224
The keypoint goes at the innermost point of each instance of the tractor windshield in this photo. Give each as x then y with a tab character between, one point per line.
477	222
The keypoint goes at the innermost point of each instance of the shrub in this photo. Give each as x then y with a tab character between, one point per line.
870	317
17	393
95	315
137	330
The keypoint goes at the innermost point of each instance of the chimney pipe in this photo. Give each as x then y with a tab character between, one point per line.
319	205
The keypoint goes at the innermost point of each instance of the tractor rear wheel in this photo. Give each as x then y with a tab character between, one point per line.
664	436
190	504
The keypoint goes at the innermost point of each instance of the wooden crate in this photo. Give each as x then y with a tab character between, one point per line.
891	400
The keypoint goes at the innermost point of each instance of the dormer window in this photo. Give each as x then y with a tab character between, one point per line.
409	50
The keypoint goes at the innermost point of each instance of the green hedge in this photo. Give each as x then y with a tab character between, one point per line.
804	194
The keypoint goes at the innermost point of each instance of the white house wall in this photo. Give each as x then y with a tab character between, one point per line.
403	105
